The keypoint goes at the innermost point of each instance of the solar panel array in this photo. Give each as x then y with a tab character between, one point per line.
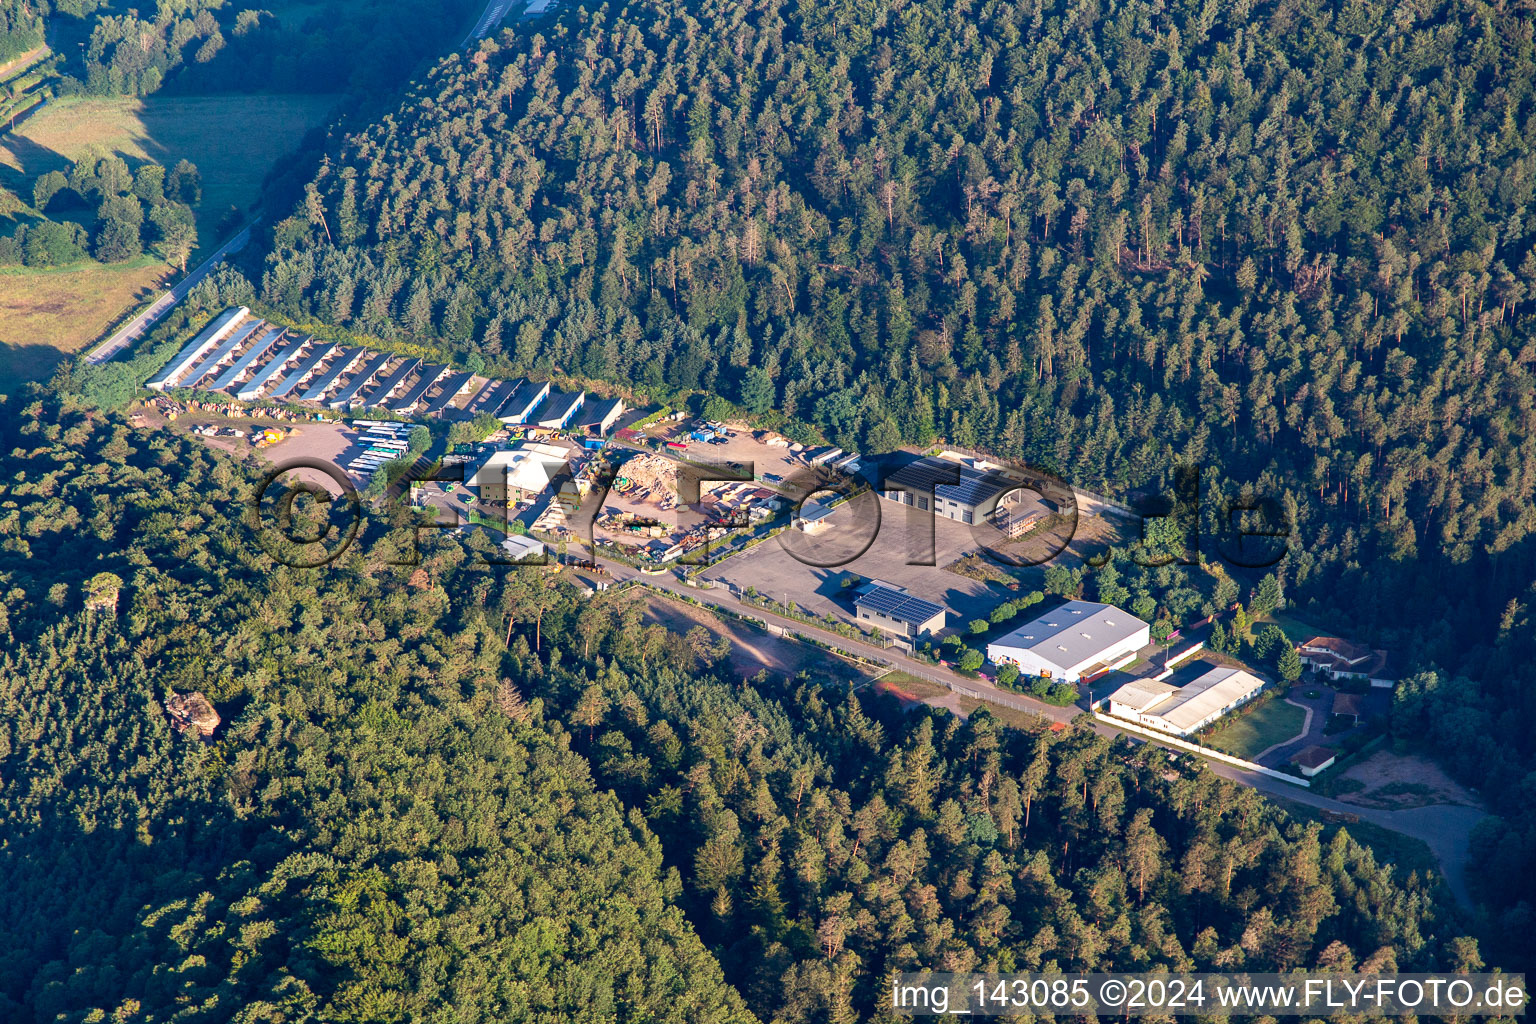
935	475
451	388
252	387
242	364
424	381
323	383
898	606
491	400
231	343
388	384
360	381
321	353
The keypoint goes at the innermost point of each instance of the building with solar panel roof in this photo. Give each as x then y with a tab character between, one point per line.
892	610
949	489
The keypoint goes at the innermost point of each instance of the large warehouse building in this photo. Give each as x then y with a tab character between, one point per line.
1072	641
1183	710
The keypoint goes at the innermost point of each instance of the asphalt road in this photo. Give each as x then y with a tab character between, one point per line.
495	11
141	324
1445	829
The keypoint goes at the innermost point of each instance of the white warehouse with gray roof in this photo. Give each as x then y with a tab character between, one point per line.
1182	710
1074	640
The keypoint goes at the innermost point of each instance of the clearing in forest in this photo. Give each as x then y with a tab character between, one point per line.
46	314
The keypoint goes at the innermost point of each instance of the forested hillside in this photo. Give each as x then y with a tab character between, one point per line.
112	48
455	793
1286	240
378	834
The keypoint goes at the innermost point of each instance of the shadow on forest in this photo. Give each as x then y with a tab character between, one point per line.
76	928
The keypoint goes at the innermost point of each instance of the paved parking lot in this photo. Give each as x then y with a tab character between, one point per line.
773	568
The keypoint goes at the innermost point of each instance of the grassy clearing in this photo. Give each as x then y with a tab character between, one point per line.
233	140
46	315
913	686
1294	629
1273	722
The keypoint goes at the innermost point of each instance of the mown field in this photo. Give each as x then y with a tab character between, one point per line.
1275	721
48	314
233	140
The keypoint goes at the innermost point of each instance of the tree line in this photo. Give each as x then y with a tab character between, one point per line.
1280	239
443	788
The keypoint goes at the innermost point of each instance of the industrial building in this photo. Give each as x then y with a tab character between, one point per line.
518	472
322	351
520	400
519	547
380	395
560	409
347	396
328	377
426	376
247	359
207	338
1071	641
600	415
453	387
892	610
235	339
1184	710
259	380
950	489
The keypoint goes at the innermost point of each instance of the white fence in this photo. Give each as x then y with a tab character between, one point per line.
1214	755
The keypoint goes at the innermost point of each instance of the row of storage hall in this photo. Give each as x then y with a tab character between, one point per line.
249	358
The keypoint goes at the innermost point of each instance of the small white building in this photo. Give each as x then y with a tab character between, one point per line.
519	547
814	517
1184	710
1071	641
1313	760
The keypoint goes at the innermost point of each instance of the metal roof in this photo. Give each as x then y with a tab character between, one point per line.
259	379
560	408
897	605
359	381
426	377
242	364
342	364
321	353
206	339
451	388
597	412
973	488
218	355
1074	634
1189	706
493	397
523	400
380	394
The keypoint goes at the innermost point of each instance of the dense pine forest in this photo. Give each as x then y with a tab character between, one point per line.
452	792
1288	241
